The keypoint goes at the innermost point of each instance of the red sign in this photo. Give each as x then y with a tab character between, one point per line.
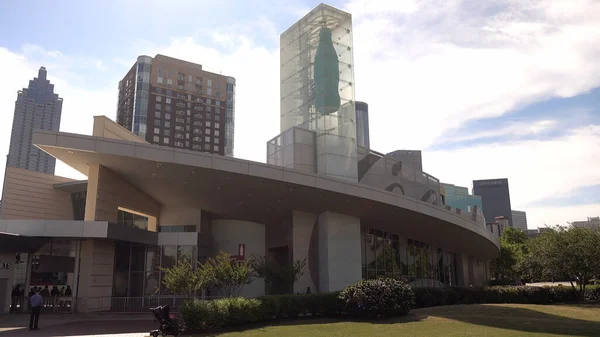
241	251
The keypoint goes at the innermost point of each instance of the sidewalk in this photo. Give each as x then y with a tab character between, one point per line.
108	324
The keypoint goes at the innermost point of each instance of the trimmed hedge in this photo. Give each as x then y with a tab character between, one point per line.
371	298
431	297
383	297
200	315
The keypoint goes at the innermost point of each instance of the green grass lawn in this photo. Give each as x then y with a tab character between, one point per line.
493	320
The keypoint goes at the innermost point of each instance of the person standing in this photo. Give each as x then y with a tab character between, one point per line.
36	306
14	298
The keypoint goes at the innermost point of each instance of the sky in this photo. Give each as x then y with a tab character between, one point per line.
486	89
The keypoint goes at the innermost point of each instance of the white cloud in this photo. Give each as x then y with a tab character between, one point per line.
536	169
510	130
424	68
434	65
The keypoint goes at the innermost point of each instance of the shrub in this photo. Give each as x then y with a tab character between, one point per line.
592	294
429	297
200	315
384	297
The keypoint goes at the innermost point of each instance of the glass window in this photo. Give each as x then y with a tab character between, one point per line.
158	98
218	103
208	101
166	140
217	132
167	124
207	139
168	108
190	78
167	116
207	146
209	91
207	123
138	257
217	125
168	100
157	114
207	131
152	283
209	83
158	106
185	254
169	256
216	148
157	139
156	130
159	80
169	81
216	140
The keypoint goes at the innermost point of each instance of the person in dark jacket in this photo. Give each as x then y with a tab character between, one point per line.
14	298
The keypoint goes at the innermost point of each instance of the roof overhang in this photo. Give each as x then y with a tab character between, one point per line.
246	190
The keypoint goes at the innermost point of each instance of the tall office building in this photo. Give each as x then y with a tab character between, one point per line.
37	107
495	198
362	124
519	219
175	103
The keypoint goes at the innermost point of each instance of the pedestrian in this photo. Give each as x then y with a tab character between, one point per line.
14	298
46	295
36	306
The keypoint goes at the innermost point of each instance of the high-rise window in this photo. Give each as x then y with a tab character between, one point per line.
209	91
156	139
168	100
159	80
216	148
156	130
158	98
166	140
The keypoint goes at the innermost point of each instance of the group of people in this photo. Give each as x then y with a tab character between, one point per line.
38	298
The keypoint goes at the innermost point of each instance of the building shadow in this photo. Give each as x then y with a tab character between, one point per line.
516	318
84	328
305	321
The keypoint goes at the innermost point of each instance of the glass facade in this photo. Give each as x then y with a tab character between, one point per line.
229	116
317	87
142	93
458	197
137	267
418	263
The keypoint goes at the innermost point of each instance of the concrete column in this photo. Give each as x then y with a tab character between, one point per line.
339	251
95	275
303	225
75	286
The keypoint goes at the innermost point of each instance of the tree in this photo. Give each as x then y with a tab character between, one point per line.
279	278
227	275
566	254
512	252
183	278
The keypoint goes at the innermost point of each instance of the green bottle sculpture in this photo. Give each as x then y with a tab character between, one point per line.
327	75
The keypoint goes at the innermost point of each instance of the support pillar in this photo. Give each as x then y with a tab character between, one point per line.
339	251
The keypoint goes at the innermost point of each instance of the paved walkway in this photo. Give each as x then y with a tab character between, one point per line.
79	325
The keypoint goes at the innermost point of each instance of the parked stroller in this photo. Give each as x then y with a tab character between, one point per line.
169	324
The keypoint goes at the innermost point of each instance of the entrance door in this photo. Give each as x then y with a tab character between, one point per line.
4	305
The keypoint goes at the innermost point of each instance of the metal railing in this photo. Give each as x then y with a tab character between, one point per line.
130	304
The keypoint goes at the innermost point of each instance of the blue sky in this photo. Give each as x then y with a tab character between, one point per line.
487	89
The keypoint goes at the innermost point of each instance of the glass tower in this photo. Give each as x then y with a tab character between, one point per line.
317	87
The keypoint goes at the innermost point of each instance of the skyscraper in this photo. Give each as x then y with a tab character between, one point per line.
37	107
362	124
519	219
175	103
495	198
